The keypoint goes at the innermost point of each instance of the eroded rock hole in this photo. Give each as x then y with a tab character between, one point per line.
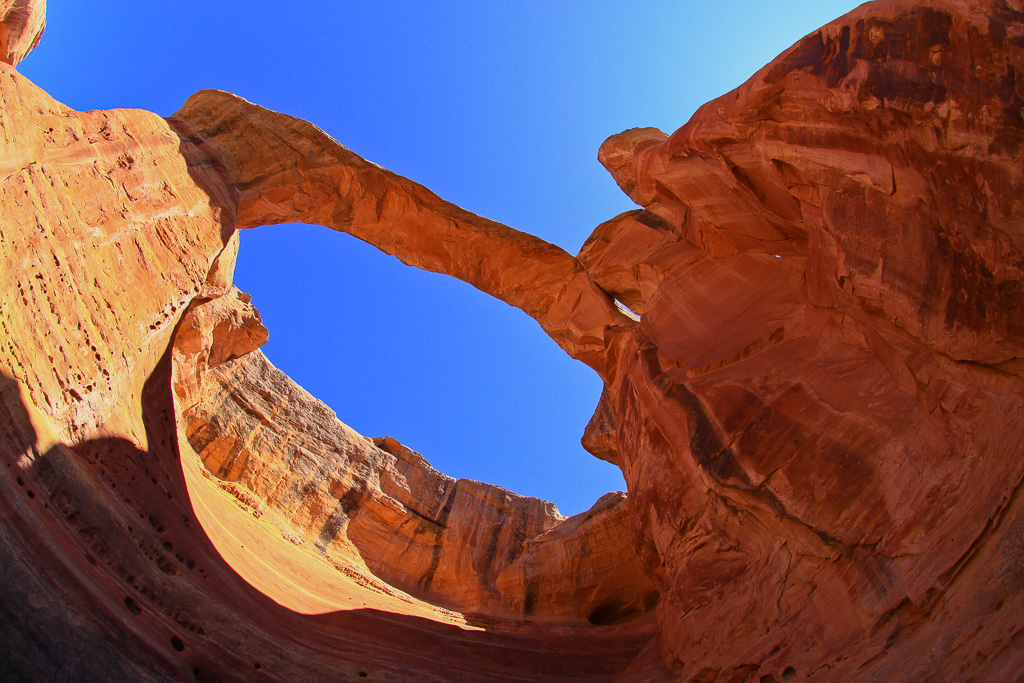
614	612
133	607
177	644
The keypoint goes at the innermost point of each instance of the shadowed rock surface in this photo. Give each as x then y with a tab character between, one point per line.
819	413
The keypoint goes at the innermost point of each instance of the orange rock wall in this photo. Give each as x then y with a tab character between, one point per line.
380	507
21	26
817	402
820	414
77	189
112	231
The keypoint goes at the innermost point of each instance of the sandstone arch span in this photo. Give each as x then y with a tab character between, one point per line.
819	414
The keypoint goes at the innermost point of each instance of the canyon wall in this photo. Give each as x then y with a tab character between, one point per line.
138	544
379	507
819	415
810	335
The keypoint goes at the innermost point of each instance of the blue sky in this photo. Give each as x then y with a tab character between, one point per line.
498	107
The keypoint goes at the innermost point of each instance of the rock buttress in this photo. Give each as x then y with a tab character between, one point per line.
819	416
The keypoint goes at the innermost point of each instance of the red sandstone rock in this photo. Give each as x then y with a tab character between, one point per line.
123	557
109	517
379	508
21	26
819	414
279	169
106	240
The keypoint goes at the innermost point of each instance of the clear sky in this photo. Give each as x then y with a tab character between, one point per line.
499	107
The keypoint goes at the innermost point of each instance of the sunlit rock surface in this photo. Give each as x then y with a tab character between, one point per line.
819	413
378	508
279	169
21	26
142	539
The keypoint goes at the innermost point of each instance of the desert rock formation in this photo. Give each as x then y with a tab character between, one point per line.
829	264
810	335
378	506
21	26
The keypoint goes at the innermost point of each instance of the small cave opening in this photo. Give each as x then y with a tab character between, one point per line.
613	612
132	606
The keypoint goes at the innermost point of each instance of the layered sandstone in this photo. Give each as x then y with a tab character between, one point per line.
820	414
378	508
817	404
21	26
128	555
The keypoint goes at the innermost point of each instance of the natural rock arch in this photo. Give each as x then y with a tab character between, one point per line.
818	414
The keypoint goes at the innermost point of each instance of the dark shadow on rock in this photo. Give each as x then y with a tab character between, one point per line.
109	576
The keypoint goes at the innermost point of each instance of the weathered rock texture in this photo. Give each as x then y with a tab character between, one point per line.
124	555
819	413
21	26
378	507
274	168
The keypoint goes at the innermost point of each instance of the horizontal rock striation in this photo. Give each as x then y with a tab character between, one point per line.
817	401
379	507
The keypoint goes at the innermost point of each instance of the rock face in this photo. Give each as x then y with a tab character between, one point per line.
820	414
21	26
378	507
818	404
132	509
